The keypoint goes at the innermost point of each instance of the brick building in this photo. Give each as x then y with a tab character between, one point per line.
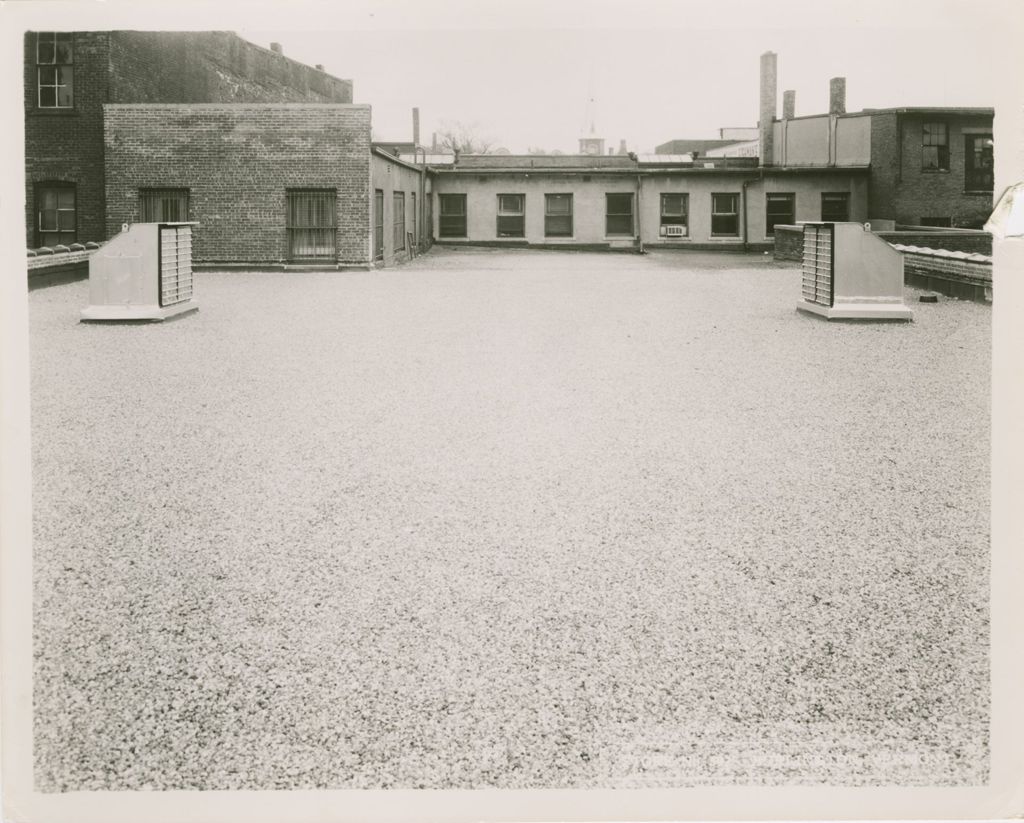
70	76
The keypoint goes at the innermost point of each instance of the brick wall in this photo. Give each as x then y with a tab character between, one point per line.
901	191
789	243
67	144
237	161
212	67
146	67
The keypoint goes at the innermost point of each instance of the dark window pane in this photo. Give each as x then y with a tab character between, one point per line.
510	226
47	76
558	204
66	220
723	203
48	220
453	204
620	224
510	203
673	205
64	50
620	204
66	198
452	226
557	225
47	97
724	224
45	51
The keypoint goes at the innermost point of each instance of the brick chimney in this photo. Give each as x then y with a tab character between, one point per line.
416	126
622	147
276	47
837	95
769	95
788	105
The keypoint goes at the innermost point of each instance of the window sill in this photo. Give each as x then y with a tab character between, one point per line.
979	192
37	112
934	171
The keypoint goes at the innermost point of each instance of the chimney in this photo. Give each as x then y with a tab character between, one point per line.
837	95
276	47
769	93
788	105
433	142
622	147
611	150
319	66
415	127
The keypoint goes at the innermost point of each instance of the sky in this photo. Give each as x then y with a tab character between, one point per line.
521	74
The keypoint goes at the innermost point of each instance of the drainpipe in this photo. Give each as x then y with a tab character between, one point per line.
639	211
743	203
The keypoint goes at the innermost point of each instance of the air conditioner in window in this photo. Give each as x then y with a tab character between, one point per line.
675	231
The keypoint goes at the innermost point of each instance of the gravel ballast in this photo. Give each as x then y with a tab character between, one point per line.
500	519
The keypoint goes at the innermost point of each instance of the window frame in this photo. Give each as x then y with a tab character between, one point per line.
56	186
550	216
609	215
149	195
296	228
941	147
58	67
970	141
511	215
845	196
735	213
673	219
459	218
778	197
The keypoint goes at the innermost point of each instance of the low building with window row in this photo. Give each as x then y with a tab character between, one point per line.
622	202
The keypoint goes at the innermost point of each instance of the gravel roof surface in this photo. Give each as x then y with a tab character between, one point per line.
512	520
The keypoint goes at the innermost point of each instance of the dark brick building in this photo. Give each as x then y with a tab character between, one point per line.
70	76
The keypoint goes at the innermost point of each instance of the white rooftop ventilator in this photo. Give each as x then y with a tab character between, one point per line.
850	273
142	273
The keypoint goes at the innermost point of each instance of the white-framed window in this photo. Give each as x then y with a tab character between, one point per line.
55	71
511	215
725	216
779	210
558	215
619	214
452	221
675	208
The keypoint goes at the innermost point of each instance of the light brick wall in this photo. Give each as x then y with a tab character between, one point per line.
237	162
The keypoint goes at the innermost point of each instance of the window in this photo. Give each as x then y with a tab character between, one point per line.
936	222
725	218
978	162
779	210
378	225
674	212
398	221
619	214
311	224
835	206
163	205
453	215
511	220
55	70
934	147
558	215
55	213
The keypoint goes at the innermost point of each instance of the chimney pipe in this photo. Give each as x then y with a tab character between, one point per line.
433	142
415	126
622	147
788	105
276	47
769	95
837	95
